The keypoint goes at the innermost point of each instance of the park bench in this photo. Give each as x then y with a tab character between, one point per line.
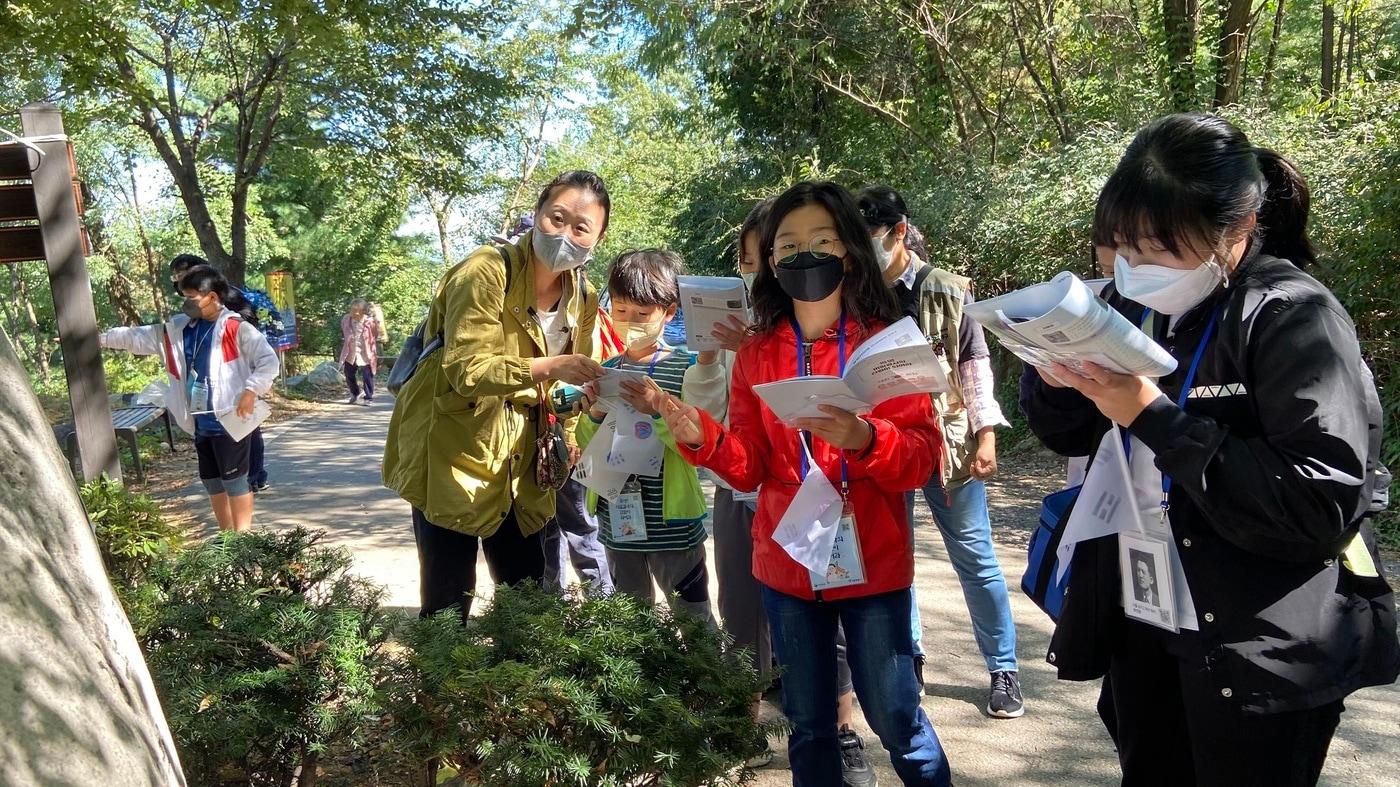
127	421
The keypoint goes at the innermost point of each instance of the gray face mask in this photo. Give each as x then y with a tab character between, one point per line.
191	308
558	252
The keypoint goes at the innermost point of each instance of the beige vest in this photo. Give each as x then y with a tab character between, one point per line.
940	300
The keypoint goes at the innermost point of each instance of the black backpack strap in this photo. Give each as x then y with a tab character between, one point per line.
921	277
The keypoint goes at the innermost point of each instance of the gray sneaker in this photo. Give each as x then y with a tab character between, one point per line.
855	771
1005	701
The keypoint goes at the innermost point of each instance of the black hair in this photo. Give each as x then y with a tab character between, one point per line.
579	179
204	279
1187	179
646	277
864	294
183	262
881	206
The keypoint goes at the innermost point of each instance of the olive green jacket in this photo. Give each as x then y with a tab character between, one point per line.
461	445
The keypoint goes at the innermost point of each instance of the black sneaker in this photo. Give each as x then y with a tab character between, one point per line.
1005	701
855	771
260	486
919	672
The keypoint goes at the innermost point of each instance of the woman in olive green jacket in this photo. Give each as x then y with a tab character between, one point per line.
461	445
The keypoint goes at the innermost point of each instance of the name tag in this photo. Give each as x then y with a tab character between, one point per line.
1144	563
626	515
847	567
199	397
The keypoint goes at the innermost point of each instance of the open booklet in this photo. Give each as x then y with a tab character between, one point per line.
1064	321
897	361
709	301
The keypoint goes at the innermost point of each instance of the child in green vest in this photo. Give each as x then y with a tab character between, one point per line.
653	523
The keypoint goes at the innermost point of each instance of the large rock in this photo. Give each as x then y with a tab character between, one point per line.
325	374
76	701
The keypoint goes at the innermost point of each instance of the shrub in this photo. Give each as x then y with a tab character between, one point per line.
132	536
266	653
576	692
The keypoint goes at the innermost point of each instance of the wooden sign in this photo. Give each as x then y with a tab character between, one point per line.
20	236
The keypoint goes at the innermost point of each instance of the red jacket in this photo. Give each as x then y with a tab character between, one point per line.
758	450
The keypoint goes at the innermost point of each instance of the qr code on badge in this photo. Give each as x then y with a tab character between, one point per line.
1056	337
696	300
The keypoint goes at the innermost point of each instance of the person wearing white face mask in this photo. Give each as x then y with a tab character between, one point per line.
463	445
654	529
1254	468
968	415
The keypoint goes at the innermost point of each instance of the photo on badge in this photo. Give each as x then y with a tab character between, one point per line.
1147	582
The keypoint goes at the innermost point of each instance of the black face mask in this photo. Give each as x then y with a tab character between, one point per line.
192	309
807	277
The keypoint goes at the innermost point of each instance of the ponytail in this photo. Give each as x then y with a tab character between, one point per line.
1283	218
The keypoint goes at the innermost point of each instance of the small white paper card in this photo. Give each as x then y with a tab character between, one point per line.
807	531
239	428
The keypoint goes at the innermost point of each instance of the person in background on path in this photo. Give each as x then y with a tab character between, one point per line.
359	350
655	529
216	363
817	297
257	309
968	416
461	447
1254	468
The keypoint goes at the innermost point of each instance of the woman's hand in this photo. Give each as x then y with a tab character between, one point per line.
682	419
730	336
984	462
1120	397
571	369
840	428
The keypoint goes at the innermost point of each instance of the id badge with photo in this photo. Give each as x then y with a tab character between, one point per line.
847	566
626	516
199	396
1144	563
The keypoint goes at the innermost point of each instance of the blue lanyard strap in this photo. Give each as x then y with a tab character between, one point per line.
802	437
617	361
1185	393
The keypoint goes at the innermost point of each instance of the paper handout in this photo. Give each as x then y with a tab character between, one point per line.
807	531
897	361
709	301
610	384
1106	504
1064	321
239	427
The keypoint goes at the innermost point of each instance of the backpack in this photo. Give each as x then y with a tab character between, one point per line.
415	352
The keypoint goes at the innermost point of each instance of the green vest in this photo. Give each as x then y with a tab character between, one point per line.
940	302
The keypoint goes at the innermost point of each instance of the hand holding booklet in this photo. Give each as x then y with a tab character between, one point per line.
709	301
1064	321
897	361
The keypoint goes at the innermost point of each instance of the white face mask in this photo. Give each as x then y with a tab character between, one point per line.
558	252
638	335
1168	290
883	255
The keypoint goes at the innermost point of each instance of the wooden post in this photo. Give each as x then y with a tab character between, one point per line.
72	294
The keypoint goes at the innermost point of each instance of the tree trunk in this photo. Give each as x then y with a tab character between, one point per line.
1051	105
39	353
1234	32
157	281
1351	41
62	715
306	772
1325	80
1179	31
1273	48
236	267
1339	57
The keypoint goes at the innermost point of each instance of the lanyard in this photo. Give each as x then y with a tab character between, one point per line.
651	367
1185	391
802	437
191	358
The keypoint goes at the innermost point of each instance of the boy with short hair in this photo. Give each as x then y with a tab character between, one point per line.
654	529
217	364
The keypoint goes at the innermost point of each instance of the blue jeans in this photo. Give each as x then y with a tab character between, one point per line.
967	535
575	531
882	665
257	465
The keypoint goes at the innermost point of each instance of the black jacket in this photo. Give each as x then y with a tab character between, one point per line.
1275	466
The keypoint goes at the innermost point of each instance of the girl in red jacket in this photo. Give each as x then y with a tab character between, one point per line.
819	295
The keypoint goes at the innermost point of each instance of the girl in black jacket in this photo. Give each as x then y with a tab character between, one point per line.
1269	465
